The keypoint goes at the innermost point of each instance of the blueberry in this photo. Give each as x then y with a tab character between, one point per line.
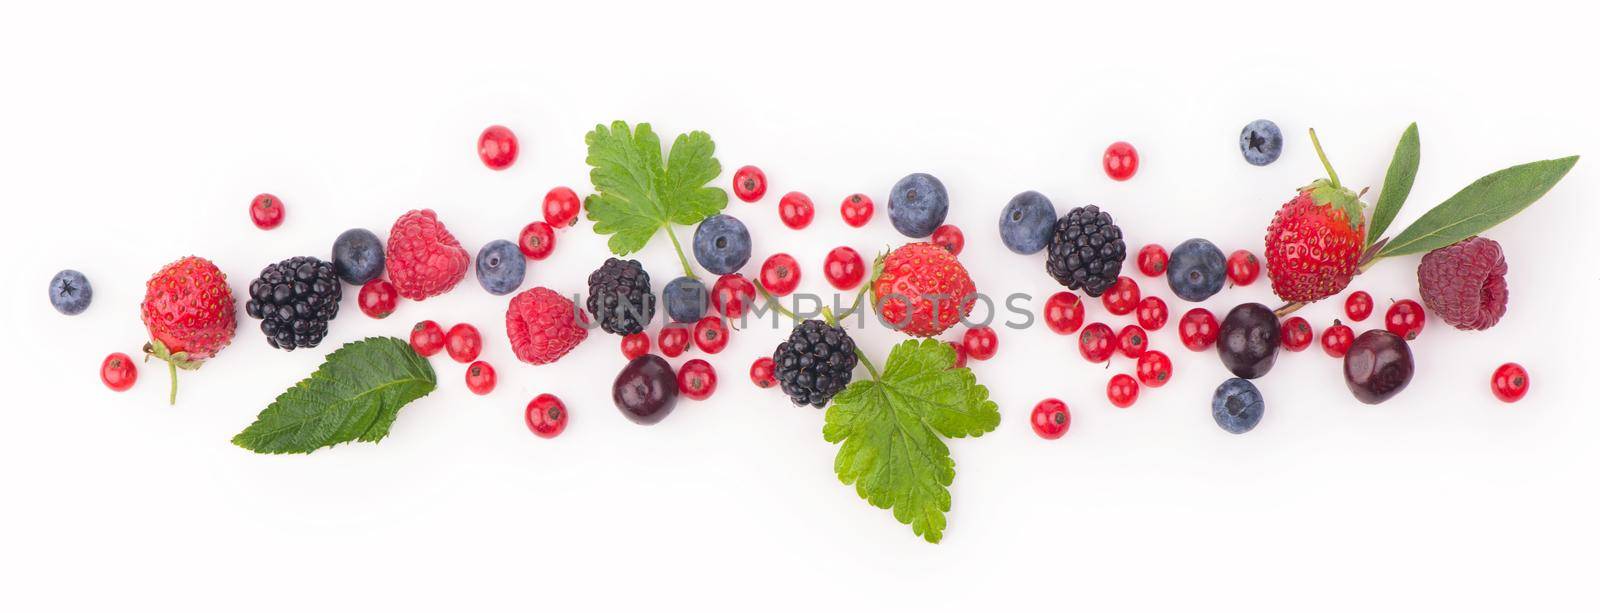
722	244
686	299
358	256
1196	270
918	204
1027	222
501	267
1237	406
1261	142
70	292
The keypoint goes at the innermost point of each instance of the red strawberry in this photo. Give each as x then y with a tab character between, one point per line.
424	259
914	278
1315	241
544	325
190	313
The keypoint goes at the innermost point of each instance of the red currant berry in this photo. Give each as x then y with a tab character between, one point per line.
710	334
480	378
1509	383
561	207
1152	313
1198	329
1132	341
1123	296
1121	161
856	210
1152	260
1122	391
378	298
497	147
266	211
1063	312
749	183
635	345
537	240
761	373
780	274
463	343
119	372
673	340
1050	419
950	238
1336	340
1243	267
796	210
697	380
427	338
1296	333
1358	306
732	294
1154	368
961	354
843	268
1405	318
545	416
1097	342
980	343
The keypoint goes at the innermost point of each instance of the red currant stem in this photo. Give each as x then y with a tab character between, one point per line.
1333	177
678	247
773	300
827	315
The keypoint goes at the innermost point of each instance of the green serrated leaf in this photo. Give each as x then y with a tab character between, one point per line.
891	430
1396	183
1480	206
636	193
354	396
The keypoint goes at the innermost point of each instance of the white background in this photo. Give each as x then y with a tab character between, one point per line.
131	135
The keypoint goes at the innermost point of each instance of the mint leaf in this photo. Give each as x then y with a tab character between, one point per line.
891	431
354	395
1396	183
1478	207
637	194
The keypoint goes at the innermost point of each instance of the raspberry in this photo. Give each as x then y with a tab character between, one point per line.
424	259
543	326
1465	283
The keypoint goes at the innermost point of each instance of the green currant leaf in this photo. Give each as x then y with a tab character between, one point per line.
637	194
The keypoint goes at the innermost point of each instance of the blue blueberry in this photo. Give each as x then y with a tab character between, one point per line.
686	299
358	256
1261	142
722	244
1027	223
918	204
1237	406
70	292
1197	270
501	267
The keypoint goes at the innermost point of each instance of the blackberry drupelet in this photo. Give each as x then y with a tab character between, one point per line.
620	298
1086	250
815	363
295	299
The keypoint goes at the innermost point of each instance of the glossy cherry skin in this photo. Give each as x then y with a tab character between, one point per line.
1378	366
646	390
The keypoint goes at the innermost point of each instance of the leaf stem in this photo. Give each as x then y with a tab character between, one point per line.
1333	177
773	300
678	247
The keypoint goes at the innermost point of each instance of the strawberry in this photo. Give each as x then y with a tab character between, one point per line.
922	289
424	259
190	313
1315	240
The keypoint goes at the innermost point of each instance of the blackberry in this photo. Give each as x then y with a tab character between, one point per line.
1086	250
815	363
295	299
620	298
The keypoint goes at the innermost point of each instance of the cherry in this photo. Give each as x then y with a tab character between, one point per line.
1063	312
961	354
1050	419
1121	161
635	345
266	211
749	183
1097	342
1243	267
673	340
1337	339
427	338
1296	334
796	210
1358	306
1509	383
950	238
1122	297
545	416
761	373
697	380
378	298
710	334
1198	329
561	207
119	372
1153	368
1132	341
856	210
844	268
480	378
497	147
463	343
1122	391
780	274
980	343
732	294
1152	260
1151	313
1405	318
537	240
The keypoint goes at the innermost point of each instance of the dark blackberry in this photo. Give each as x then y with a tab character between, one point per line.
295	299
1086	250
815	363
620	297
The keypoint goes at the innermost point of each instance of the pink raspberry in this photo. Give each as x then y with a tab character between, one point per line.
424	259
544	325
1465	283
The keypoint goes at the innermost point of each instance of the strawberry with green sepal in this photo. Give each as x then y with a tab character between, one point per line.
190	314
1315	241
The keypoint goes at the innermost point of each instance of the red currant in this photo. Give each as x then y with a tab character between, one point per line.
1122	391
844	268
697	380
1132	341
961	354
950	238
1296	333
761	373
1152	313
1198	329
1121	161
463	343
710	334
1154	368
980	343
780	274
1063	312
1405	318
545	416
497	147
673	340
427	338
561	207
1097	342
856	210
1509	383
1152	260
1050	419
732	294
1336	340
480	378
1243	267
266	211
635	345
378	298
749	183
796	210
1358	306
537	240
1122	297
119	372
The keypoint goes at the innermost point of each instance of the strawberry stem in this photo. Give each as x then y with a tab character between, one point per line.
1333	177
172	371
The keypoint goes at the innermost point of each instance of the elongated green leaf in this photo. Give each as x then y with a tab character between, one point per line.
354	396
1480	206
1396	183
